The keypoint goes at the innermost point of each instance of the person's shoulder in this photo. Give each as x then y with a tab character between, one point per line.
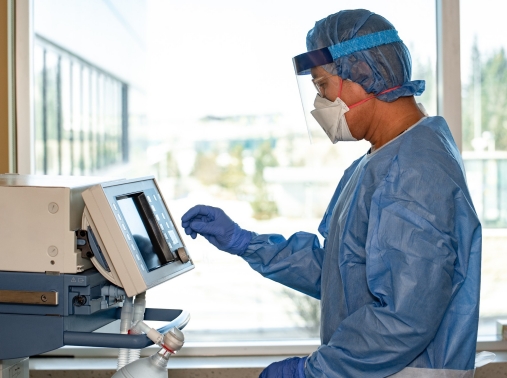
429	155
433	130
351	169
429	142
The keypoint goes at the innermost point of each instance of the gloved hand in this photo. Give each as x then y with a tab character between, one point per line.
293	367
217	228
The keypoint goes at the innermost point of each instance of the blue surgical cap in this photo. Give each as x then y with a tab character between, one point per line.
384	66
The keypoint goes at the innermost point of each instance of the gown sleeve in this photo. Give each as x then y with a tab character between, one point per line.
413	267
296	262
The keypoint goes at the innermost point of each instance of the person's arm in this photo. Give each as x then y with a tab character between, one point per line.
410	265
295	262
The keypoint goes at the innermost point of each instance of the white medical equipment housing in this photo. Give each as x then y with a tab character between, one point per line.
38	219
133	240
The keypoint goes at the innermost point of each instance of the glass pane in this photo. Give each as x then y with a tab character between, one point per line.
38	65
101	130
52	122
484	78
65	90
85	119
77	117
213	111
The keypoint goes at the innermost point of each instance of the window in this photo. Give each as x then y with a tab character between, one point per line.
484	78
81	114
203	96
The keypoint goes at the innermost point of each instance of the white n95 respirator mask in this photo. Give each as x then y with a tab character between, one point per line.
331	117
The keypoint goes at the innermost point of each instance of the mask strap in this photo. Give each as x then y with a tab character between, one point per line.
341	86
369	98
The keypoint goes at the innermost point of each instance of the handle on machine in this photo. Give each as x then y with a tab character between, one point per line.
175	318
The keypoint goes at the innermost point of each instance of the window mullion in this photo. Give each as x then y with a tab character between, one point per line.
448	66
25	129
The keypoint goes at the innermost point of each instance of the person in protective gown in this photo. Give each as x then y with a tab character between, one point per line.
398	275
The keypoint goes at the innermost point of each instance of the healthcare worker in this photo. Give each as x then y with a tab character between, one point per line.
399	272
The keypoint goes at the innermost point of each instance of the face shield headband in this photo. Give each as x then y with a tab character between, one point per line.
304	62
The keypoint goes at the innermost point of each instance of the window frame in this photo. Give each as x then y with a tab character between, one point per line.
24	79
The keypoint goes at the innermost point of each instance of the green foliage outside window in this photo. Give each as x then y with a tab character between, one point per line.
485	101
307	309
262	205
210	169
233	176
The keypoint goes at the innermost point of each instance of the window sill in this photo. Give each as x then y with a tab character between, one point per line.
240	348
204	349
492	346
176	363
196	355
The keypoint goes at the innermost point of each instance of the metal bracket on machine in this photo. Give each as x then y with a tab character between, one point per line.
89	247
83	244
47	298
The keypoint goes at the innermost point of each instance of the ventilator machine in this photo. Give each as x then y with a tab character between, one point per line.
78	253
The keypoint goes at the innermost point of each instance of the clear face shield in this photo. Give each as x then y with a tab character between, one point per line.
313	76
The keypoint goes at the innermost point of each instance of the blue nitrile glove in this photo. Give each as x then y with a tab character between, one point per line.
217	228
293	367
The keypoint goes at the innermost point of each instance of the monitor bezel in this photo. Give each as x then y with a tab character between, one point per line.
109	229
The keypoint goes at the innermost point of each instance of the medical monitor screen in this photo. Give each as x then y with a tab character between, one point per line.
136	233
139	233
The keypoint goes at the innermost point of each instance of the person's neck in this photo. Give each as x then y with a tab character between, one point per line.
390	119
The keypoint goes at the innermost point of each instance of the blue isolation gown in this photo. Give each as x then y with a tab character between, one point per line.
399	274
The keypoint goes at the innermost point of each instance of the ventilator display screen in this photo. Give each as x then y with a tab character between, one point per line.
139	233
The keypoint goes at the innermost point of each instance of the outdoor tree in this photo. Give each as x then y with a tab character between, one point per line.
485	100
262	205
